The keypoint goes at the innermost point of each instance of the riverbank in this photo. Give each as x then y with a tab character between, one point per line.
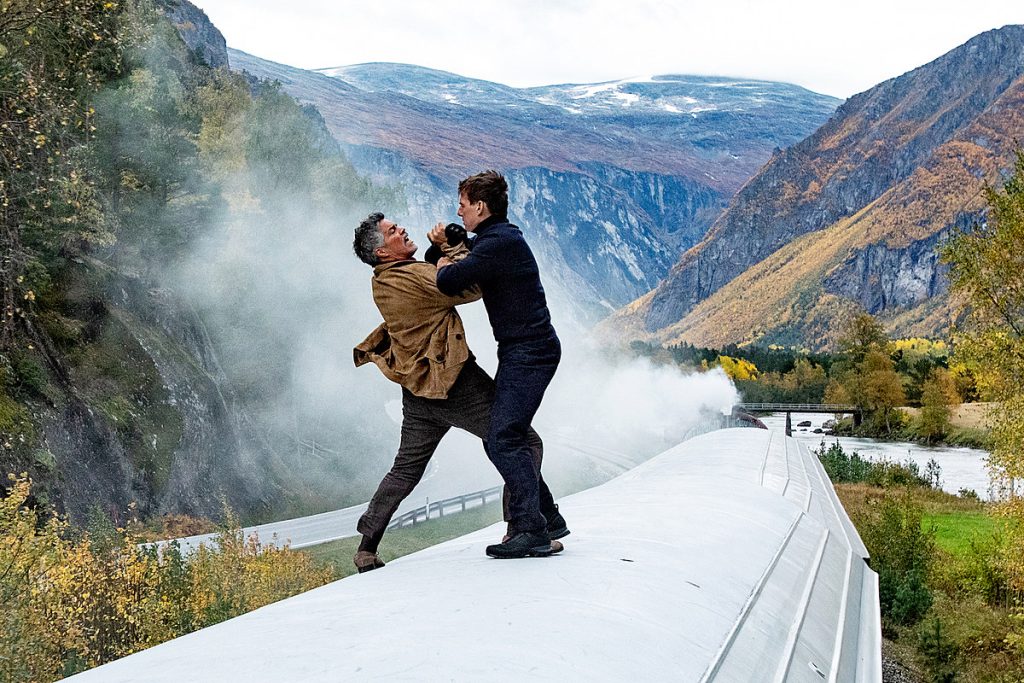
968	426
963	630
961	467
966	437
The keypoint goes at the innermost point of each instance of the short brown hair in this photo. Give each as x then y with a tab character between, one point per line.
489	187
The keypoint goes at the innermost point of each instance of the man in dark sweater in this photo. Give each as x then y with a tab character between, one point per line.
501	264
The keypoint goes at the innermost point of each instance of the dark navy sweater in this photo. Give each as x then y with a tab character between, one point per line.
502	264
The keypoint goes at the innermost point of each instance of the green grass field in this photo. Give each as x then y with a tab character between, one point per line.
954	531
338	554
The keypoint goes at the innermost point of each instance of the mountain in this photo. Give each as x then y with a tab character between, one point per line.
849	218
612	180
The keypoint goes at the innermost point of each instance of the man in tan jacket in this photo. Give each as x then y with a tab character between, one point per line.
422	346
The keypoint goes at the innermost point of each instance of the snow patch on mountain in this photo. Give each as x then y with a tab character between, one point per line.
627	98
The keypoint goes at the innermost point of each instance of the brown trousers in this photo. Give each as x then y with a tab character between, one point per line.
425	421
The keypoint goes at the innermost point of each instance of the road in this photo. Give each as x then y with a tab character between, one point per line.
458	468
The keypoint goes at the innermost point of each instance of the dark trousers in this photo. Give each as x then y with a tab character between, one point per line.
525	369
425	421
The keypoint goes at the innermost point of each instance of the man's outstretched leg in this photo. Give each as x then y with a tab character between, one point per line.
420	436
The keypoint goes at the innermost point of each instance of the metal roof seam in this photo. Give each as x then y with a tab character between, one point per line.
764	461
852	538
785	461
794	630
870	641
808	483
841	623
716	663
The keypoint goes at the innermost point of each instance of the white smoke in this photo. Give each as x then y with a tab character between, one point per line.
605	411
308	301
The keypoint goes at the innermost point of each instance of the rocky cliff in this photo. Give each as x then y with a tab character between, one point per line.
131	406
903	161
190	358
203	39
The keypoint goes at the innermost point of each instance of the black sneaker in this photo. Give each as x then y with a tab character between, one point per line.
556	526
523	544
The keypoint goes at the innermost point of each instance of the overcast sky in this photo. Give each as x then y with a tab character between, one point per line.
838	48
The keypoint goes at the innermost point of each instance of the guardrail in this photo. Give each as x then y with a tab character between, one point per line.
456	504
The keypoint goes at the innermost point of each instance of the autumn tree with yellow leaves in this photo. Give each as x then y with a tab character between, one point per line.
937	395
54	55
865	375
987	274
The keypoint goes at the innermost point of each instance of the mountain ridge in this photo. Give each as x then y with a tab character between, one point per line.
657	177
533	128
915	150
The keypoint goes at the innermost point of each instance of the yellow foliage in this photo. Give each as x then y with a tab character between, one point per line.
938	394
935	348
1010	551
836	393
69	605
738	368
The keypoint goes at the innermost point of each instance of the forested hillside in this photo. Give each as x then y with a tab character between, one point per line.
167	226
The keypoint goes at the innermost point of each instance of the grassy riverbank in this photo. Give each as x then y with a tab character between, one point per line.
947	613
967	427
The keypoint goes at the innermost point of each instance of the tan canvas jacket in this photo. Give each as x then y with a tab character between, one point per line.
422	343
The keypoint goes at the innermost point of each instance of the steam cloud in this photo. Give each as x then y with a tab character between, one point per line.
285	297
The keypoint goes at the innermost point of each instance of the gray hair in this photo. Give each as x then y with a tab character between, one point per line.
369	239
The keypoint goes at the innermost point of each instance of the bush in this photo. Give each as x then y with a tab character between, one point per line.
890	474
29	378
74	603
971	641
843	468
902	553
968	494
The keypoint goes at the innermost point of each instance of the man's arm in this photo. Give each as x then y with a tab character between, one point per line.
471	271
438	246
462	296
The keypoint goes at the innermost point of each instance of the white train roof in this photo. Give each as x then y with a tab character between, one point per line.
726	558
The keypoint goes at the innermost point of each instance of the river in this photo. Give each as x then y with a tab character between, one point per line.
961	467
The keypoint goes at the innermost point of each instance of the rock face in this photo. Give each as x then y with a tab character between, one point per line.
904	159
681	209
202	37
880	278
610	181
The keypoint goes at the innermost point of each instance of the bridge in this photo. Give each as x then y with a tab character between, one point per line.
790	408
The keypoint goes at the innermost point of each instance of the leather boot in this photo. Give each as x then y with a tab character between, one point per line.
366	561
